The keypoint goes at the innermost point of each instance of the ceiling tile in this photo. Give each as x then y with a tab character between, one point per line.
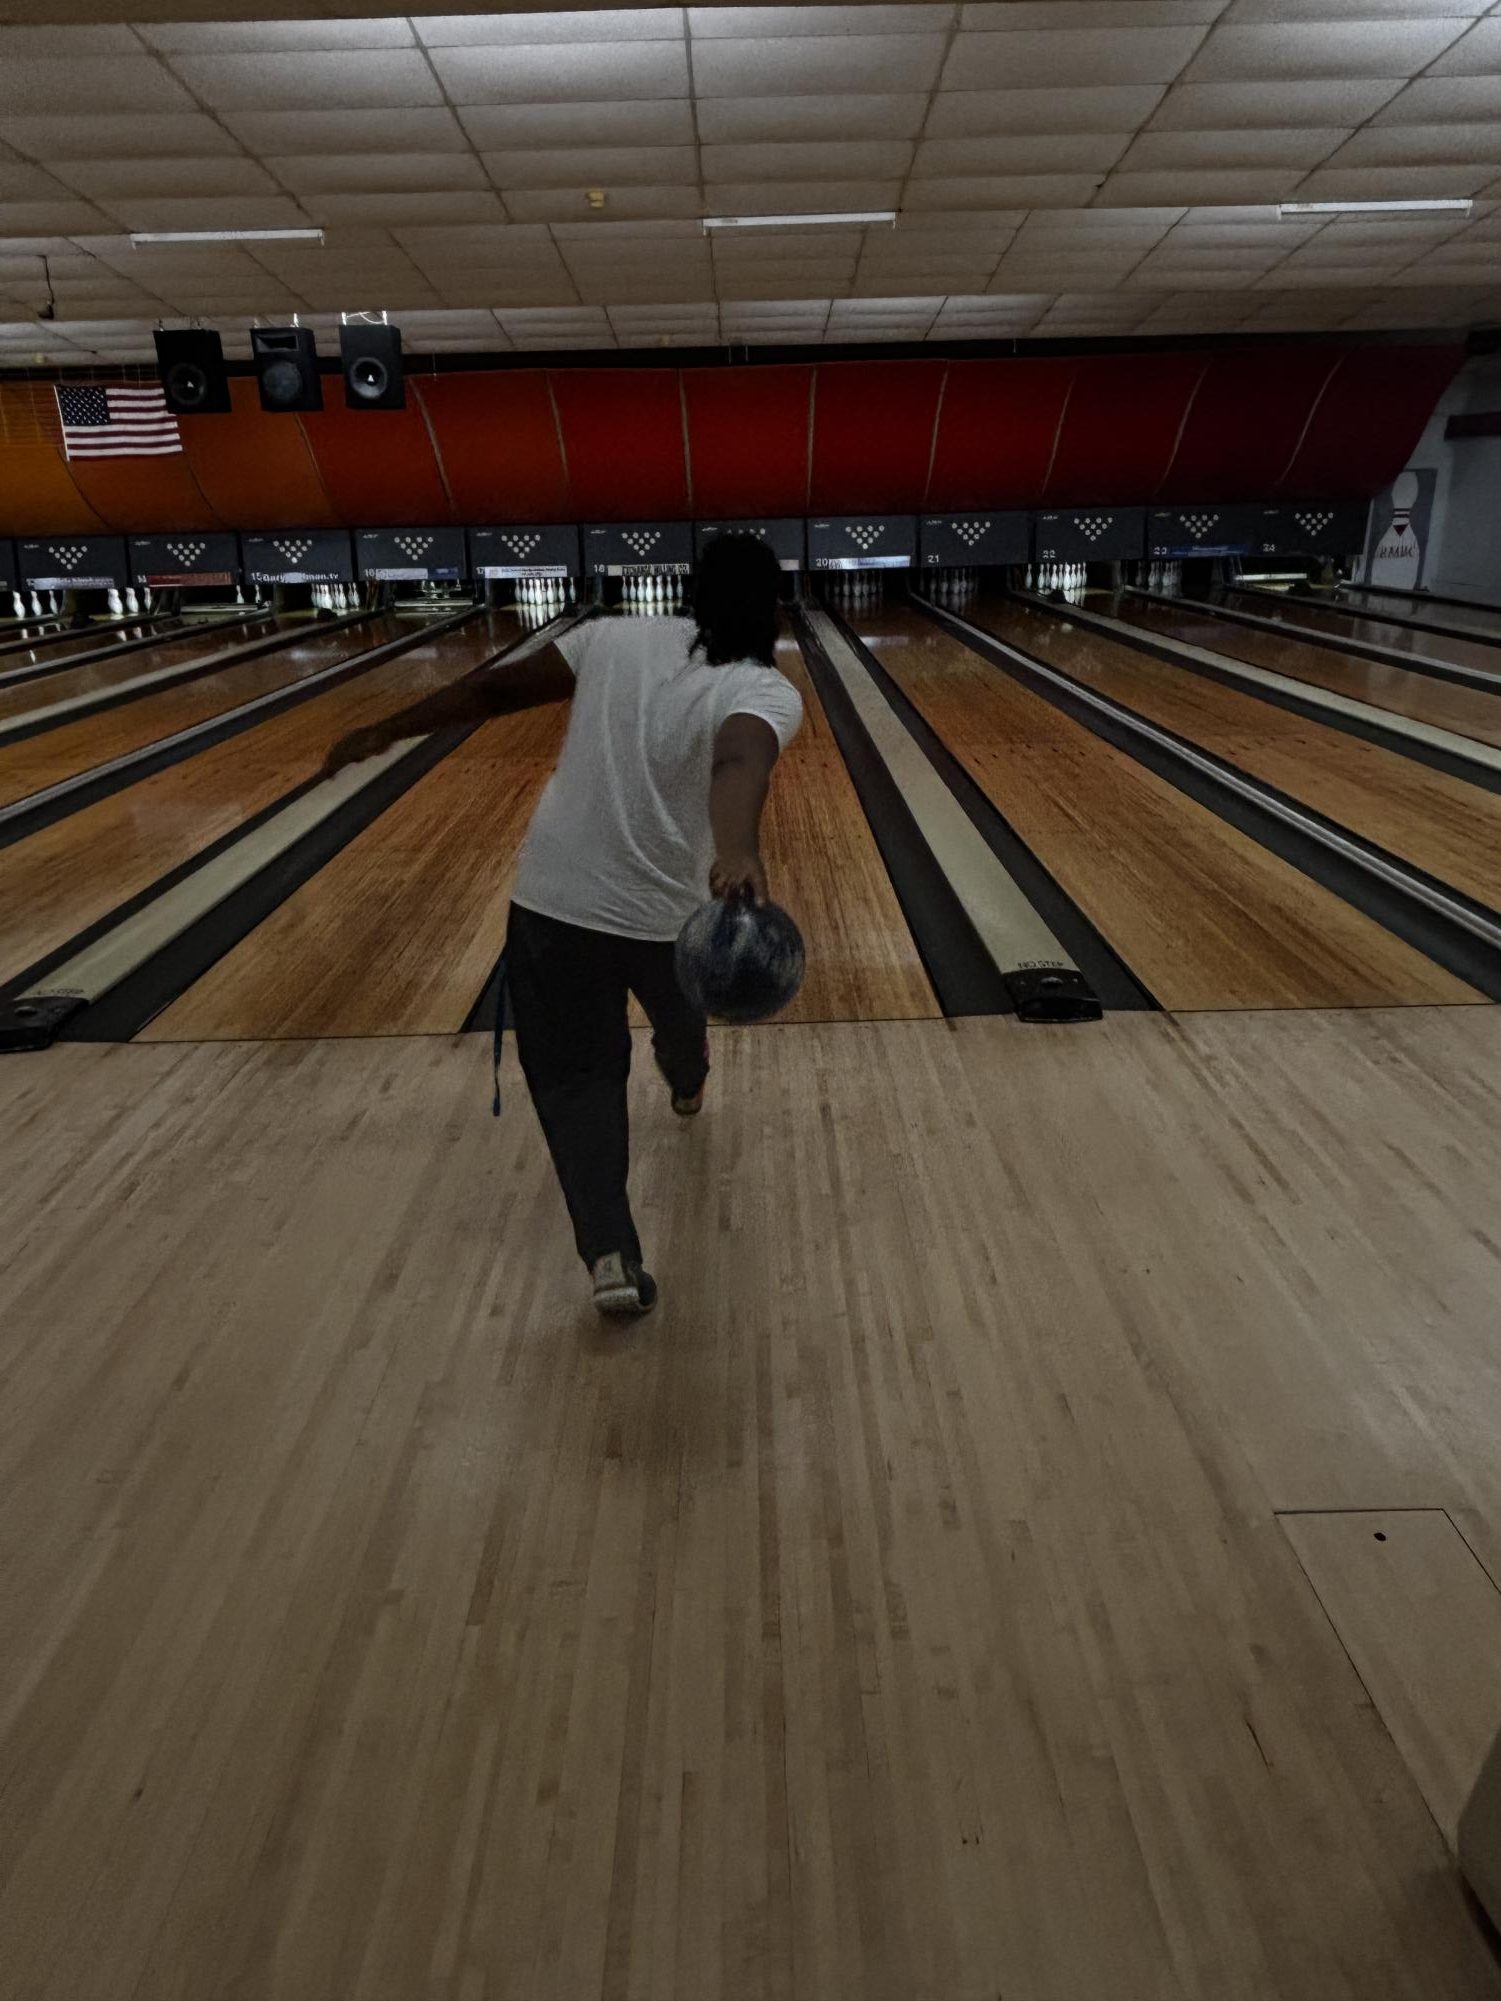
91	83
542	74
66	44
1297	146
388	209
1249	185
310	81
815	65
22	219
304	132
1334	10
738	120
205	212
769	23
1380	184
1015	191
1339	50
374	173
1115	15
571	204
224	38
871	159
620	24
980	114
1207	107
22	182
117	179
1421	145
464	239
1034	153
798	197
779	281
99	136
664	121
1049	59
1435	100
594	167
1477	53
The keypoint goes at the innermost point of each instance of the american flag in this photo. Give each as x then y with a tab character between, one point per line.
116	423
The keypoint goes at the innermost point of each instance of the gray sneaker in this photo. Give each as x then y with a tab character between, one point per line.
622	1286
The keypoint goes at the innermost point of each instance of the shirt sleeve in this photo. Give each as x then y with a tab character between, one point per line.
770	696
577	644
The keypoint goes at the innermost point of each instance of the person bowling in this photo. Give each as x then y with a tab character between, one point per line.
675	727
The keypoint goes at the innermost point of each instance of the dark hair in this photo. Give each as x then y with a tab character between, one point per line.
736	591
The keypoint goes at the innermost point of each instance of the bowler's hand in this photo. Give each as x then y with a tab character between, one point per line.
738	875
355	748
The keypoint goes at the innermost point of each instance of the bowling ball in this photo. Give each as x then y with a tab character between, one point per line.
739	961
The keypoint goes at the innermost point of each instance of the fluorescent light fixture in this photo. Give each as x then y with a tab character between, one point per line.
139	236
1460	206
816	220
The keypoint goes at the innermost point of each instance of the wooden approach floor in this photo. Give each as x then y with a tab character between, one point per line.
904	1614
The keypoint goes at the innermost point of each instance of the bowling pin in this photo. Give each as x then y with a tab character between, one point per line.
239	593
146	597
130	601
36	606
17	606
116	609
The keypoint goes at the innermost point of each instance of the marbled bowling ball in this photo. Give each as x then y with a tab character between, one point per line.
740	961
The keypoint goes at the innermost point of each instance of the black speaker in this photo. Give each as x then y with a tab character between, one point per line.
286	361
372	367
191	364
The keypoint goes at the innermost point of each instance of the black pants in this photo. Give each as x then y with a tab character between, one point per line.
568	989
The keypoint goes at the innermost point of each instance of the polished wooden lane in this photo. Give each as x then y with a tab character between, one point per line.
1442	824
47	647
65	876
71	682
903	1614
1472	712
1482	621
398	933
1201	913
63	752
1395	638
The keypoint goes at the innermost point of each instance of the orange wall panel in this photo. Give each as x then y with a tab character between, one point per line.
997	431
37	496
623	438
255	466
1122	424
141	494
873	435
378	467
748	440
498	445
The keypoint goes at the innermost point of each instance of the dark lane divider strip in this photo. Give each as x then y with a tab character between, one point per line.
1374	613
1453	930
162	635
26	816
1388	656
98	987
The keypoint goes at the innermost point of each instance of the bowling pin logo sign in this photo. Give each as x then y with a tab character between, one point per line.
1399	520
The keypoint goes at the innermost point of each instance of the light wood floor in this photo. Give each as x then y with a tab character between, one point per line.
903	1614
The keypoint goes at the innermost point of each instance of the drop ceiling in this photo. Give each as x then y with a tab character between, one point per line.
1061	168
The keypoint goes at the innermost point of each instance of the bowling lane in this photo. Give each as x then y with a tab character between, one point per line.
70	682
54	754
1443	825
399	932
1202	914
46	647
1419	646
68	875
1483	621
1472	712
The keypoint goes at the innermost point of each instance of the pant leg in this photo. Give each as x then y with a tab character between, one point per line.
567	991
680	1034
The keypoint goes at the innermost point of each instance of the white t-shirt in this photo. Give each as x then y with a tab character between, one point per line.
620	840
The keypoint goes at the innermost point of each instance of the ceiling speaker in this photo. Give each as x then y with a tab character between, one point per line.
191	365
372	367
286	363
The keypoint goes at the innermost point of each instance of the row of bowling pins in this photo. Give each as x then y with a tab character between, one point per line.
336	597
952	586
655	590
1164	579
853	589
51	609
550	593
1066	579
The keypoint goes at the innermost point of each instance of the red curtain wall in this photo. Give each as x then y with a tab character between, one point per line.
607	444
